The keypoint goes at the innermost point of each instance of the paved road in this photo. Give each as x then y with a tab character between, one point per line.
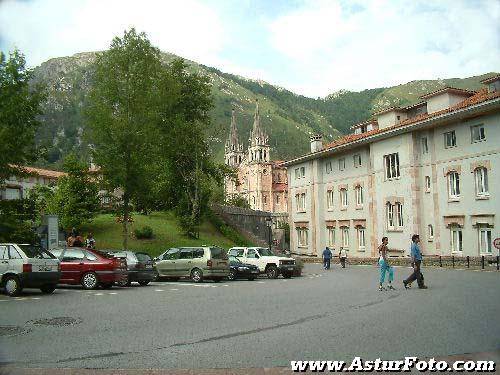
333	314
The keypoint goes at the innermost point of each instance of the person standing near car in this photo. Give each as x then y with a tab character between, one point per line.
384	265
342	256
416	259
90	241
327	257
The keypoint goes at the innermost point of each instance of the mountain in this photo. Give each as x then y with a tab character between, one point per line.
289	119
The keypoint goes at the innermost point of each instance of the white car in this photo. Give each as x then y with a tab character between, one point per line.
27	266
268	262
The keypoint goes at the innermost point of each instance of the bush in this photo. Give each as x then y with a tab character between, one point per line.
144	233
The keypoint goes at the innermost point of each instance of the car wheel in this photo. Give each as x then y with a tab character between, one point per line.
107	285
197	275
89	280
143	282
13	286
272	272
232	275
48	289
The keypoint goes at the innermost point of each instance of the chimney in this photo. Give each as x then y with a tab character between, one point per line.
316	143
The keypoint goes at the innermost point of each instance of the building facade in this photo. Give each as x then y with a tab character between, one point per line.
259	180
428	169
17	187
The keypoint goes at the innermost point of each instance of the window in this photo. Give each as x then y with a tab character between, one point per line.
4	254
391	166
484	239
277	199
481	180
343	197
425	146
453	184
357	160
427	184
301	202
328	166
477	133
251	253
265	199
302	237
430	232
297	173
456	239
345	237
399	212
331	236
186	254
390	216
172	254
450	140
302	172
358	192
90	256
361	238
73	254
329	199
341	164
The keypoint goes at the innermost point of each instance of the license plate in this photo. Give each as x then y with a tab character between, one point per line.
255	271
149	266
45	268
290	268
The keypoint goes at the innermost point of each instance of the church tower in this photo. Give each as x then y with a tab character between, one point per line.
258	148
233	151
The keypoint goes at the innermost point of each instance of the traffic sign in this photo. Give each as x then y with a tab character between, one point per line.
496	243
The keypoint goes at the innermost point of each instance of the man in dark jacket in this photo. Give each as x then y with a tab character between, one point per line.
327	257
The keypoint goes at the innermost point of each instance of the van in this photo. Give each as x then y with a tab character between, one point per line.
196	263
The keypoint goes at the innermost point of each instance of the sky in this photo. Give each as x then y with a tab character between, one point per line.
312	48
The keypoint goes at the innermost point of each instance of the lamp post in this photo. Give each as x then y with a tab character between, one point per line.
269	223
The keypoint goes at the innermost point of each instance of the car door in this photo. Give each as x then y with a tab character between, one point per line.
252	257
4	260
16	260
166	267
184	263
72	266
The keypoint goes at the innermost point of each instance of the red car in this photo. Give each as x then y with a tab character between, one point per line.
90	268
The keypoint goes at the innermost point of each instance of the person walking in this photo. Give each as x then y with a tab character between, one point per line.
342	256
416	259
384	265
327	257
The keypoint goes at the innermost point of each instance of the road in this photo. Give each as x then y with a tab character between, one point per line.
327	315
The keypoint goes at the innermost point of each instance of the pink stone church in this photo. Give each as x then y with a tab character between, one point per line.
260	181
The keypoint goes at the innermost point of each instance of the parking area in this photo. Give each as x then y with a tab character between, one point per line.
336	314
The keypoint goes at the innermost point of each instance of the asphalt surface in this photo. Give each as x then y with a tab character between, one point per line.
324	315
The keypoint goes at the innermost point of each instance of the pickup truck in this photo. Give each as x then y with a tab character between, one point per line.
268	262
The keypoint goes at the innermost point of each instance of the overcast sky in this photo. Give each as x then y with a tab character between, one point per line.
312	48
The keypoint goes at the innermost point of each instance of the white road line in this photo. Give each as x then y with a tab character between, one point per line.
98	294
261	282
112	293
159	290
35	298
173	289
225	285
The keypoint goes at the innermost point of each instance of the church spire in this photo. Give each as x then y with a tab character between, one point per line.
258	136
234	149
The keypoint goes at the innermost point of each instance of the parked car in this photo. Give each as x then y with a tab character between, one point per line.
90	268
27	266
139	267
266	260
240	270
197	263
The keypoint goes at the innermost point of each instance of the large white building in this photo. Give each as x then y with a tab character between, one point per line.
432	168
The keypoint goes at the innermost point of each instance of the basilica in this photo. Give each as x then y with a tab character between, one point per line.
260	181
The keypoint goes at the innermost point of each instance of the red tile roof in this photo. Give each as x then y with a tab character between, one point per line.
452	90
481	96
491	79
41	172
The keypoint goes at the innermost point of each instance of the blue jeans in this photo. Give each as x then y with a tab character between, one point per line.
383	268
326	263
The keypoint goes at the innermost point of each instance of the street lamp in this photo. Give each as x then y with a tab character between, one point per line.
269	223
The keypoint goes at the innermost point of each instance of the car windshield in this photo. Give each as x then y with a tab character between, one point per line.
234	260
106	253
33	251
265	252
218	253
142	257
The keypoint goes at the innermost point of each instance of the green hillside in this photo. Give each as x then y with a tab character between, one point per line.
288	118
108	233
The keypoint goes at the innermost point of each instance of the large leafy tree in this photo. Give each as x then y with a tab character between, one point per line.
19	108
75	199
123	115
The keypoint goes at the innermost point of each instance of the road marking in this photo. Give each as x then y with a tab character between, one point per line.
214	286
159	290
35	298
261	282
98	294
112	293
174	289
225	285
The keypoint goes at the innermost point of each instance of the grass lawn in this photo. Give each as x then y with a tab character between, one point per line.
108	233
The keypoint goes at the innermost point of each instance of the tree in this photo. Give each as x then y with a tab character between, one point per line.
75	199
123	115
19	108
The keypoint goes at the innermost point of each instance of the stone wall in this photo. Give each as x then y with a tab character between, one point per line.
252	224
